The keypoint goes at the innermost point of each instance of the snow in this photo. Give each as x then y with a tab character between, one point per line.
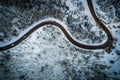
15	20
1	34
25	31
52	48
36	23
71	5
112	56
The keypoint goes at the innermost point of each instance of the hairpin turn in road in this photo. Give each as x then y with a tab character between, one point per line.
59	25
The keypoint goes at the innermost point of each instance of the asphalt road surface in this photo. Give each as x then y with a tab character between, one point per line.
108	42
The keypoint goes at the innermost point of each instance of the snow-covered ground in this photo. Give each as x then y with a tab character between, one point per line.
47	54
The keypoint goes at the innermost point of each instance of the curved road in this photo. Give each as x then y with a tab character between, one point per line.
52	22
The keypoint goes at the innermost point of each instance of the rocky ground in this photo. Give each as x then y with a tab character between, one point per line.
47	54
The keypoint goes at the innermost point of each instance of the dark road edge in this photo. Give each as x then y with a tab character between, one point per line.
101	25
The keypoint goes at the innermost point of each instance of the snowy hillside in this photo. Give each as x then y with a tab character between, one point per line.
47	54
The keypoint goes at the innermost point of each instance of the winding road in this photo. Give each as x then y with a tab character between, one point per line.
106	44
